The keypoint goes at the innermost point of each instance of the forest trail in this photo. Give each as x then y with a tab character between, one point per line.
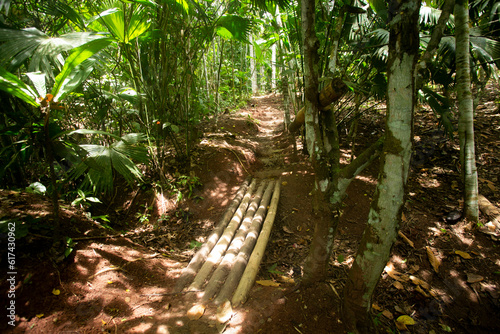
126	283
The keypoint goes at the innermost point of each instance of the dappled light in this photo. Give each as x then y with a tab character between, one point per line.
246	167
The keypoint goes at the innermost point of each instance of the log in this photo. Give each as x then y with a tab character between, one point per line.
227	261
199	258
242	259
329	94
220	248
247	280
489	210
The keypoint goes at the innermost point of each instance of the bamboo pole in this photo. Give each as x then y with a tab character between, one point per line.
247	280
238	242
199	258
242	259
220	248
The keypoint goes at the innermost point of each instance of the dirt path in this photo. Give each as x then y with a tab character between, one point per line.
124	285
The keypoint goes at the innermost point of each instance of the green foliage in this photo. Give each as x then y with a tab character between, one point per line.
272	269
195	244
36	188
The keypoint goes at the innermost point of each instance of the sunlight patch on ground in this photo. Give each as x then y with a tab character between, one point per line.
367	179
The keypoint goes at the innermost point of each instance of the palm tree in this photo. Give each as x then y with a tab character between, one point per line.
466	111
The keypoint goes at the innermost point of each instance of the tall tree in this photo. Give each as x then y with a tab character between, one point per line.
387	205
466	111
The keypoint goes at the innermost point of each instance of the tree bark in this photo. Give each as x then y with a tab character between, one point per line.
387	204
329	94
466	112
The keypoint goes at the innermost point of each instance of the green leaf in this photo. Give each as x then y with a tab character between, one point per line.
66	80
234	27
36	188
12	85
380	8
38	79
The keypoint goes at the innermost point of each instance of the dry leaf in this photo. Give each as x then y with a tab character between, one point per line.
463	254
287	230
376	307
284	183
398	285
421	291
405	238
267	283
414	268
224	312
394	274
39	315
56	292
196	312
399	309
418	281
210	208
403	321
435	262
473	278
388	314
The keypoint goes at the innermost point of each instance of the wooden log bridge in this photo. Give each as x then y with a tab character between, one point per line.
225	267
329	94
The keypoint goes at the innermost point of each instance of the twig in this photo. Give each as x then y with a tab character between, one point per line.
241	163
169	293
106	270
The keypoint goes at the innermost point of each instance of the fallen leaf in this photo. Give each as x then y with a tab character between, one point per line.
399	309
196	312
414	269
405	238
127	299
210	208
421	291
39	315
103	322
463	254
394	274
110	282
56	292
435	262
284	183
287	230
473	278
388	314
224	312
418	281
404	320
398	285
376	307
267	283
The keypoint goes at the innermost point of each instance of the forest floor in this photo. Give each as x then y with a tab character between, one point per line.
123	284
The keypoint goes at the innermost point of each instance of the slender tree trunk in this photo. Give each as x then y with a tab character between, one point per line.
387	204
466	111
253	69
314	267
273	67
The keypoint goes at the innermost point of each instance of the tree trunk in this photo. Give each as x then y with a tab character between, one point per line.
253	69
329	94
466	111
387	204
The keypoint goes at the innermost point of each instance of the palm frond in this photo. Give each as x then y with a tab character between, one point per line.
99	162
234	27
44	50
